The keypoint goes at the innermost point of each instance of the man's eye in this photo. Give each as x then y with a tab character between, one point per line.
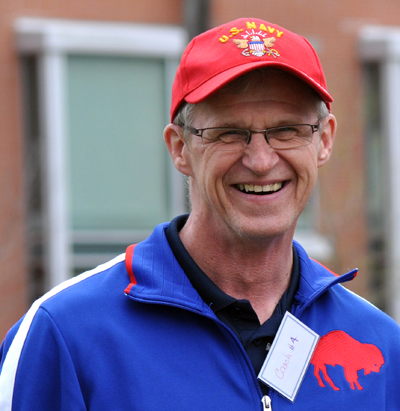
286	129
284	132
227	135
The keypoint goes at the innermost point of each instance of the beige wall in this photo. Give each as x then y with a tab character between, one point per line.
331	25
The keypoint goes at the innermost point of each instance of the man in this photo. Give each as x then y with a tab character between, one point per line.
185	319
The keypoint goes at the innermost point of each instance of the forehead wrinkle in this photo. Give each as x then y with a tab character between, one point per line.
278	100
258	113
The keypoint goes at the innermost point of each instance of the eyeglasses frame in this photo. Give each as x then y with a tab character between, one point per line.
198	132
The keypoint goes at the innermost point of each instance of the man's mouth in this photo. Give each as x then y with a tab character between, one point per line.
260	190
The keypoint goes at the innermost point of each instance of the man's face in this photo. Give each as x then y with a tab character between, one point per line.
217	177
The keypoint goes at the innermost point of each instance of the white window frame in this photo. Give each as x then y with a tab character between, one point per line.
51	41
381	45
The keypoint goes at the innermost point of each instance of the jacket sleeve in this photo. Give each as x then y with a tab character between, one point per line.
37	371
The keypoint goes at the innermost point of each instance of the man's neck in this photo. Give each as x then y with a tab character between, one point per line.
258	271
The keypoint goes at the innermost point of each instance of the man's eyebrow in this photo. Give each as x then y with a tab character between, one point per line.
226	124
232	124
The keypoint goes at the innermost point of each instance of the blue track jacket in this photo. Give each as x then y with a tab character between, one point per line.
133	334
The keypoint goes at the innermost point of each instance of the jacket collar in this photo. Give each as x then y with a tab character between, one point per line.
315	279
156	276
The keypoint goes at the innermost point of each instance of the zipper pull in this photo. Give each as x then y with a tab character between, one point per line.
266	402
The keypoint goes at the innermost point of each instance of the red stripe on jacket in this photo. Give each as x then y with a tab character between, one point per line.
128	265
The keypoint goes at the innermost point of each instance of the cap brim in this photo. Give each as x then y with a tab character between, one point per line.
217	82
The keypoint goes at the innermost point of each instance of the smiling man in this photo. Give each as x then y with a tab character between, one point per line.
248	188
188	319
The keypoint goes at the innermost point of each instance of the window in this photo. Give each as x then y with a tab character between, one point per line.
380	53
374	155
96	102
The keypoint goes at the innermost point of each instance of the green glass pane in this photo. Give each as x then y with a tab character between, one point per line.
117	159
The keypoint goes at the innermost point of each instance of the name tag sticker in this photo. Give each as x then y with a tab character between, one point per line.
289	357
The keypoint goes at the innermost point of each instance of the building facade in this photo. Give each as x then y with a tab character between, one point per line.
85	91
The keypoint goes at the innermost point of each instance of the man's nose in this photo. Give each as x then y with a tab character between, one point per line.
259	156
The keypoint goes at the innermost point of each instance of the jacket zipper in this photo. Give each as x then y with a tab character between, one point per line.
266	402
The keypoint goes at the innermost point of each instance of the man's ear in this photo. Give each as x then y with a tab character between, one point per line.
178	148
326	140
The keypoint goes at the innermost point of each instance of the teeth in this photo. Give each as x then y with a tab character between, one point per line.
258	189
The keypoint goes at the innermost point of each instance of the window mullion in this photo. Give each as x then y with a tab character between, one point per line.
54	186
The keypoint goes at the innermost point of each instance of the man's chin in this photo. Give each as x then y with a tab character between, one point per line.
259	230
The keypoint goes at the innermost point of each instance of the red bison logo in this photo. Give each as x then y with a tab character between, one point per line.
338	348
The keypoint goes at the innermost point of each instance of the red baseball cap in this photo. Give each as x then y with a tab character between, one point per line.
218	56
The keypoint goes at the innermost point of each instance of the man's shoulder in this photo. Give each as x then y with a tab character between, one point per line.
362	311
75	302
79	297
89	284
339	308
322	289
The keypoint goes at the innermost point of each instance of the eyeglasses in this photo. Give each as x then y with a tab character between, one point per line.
279	138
